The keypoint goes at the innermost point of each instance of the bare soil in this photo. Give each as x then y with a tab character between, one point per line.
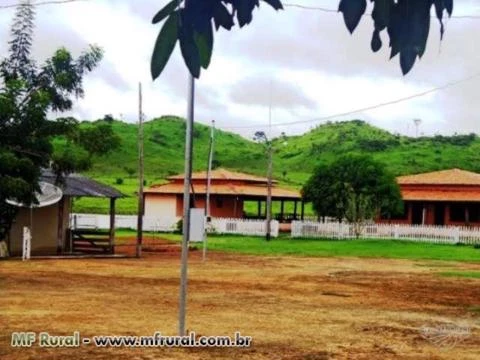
294	308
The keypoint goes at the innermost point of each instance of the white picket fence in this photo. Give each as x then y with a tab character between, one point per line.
244	227
423	233
163	224
93	221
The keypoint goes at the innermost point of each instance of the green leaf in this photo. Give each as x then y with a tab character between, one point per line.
353	11
189	48
376	41
381	13
204	44
244	11
166	11
166	41
276	4
407	60
222	17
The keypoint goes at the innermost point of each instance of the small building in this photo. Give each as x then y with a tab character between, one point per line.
447	197
228	193
50	225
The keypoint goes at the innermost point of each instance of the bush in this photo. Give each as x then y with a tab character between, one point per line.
179	227
119	181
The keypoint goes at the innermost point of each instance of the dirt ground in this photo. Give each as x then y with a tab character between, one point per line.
294	308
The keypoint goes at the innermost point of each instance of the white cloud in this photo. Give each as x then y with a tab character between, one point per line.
306	50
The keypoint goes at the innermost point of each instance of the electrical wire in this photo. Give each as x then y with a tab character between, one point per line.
292	5
328	10
368	108
40	3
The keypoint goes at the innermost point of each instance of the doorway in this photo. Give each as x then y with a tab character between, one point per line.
417	213
439	214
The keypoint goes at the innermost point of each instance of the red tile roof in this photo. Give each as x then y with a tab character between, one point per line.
440	195
223	174
444	177
226	189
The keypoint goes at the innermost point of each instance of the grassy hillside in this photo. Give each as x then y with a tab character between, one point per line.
293	162
401	154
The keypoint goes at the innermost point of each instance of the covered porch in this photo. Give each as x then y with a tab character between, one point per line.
54	232
284	209
443	213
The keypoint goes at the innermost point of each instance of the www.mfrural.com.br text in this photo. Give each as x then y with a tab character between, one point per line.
47	340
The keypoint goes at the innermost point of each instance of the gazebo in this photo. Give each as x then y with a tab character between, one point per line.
228	193
52	233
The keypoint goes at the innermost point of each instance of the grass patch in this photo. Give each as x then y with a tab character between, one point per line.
341	248
474	309
463	274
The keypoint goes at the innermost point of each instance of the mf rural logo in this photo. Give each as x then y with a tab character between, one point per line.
446	336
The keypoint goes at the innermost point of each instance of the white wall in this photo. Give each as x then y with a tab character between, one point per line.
161	206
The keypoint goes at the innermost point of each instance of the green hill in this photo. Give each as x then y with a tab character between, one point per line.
294	159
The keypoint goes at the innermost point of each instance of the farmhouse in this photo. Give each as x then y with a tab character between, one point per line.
229	191
447	197
50	225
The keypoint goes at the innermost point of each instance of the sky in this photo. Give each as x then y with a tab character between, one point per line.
303	64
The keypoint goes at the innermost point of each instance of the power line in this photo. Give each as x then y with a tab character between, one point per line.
328	10
40	3
373	107
292	5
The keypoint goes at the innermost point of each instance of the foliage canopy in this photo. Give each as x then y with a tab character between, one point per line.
355	188
192	23
28	92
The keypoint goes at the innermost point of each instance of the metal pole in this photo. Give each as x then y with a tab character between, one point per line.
270	166
186	207
269	191
140	174
209	181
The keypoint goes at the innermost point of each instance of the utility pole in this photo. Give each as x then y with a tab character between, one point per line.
209	181
140	174
270	166
417	123
262	137
269	190
186	206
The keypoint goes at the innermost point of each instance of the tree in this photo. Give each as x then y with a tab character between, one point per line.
27	93
355	187
108	118
191	23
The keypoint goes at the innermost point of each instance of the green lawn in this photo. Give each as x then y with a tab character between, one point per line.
330	248
464	274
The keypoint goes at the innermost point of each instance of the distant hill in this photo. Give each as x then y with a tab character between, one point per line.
293	161
401	154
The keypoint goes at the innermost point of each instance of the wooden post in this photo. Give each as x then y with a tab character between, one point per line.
467	215
60	242
112	225
295	210
140	208
282	209
303	211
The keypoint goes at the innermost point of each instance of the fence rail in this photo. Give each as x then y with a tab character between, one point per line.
93	221
423	233
156	224
244	227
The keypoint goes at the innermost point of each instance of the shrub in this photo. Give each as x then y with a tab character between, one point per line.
119	181
179	227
